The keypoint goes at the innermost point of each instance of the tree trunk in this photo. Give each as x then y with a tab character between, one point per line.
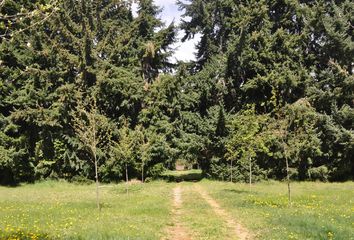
97	183
231	178
288	180
250	181
94	146
142	172
126	178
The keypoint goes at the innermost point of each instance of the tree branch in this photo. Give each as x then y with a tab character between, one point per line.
11	34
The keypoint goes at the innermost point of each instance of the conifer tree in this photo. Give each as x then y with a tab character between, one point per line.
146	45
291	60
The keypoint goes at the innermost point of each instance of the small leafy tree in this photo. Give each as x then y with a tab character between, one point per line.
300	141
88	124
144	146
123	150
246	139
282	133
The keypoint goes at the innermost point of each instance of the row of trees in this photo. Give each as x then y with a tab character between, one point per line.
71	82
281	74
87	90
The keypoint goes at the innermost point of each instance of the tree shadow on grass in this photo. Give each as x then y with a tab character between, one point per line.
183	177
10	185
7	179
104	205
239	191
132	188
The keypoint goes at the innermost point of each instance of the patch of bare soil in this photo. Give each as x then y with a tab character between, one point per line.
240	231
135	181
177	231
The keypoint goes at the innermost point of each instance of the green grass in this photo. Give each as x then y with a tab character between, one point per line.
318	211
59	210
199	217
52	210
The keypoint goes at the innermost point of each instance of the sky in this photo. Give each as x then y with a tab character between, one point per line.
183	51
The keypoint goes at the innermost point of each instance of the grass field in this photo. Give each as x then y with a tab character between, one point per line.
52	210
59	210
318	211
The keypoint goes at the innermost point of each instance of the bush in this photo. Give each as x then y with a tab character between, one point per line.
179	176
44	169
319	173
156	170
81	180
293	174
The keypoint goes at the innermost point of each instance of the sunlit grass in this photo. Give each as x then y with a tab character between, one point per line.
59	210
318	210
52	210
200	218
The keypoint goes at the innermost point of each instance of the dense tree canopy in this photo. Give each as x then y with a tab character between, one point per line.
271	80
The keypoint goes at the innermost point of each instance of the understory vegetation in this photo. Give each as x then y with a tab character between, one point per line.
88	90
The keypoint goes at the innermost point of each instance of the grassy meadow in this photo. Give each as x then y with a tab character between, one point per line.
318	210
60	210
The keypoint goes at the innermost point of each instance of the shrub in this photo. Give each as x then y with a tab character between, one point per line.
319	173
81	180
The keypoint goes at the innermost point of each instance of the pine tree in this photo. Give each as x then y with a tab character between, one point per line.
210	19
146	46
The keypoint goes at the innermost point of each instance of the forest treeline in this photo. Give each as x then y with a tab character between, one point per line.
82	81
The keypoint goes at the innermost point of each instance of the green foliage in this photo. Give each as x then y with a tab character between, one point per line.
319	173
279	57
303	142
248	138
78	48
273	80
178	176
122	154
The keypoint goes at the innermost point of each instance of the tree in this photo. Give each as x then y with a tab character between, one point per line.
299	138
144	158
123	150
8	166
290	61
146	44
88	123
247	138
19	16
283	134
208	18
144	140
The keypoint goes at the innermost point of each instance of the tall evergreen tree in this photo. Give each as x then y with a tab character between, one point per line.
291	60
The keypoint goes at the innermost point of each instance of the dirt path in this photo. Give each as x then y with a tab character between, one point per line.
241	232
177	231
